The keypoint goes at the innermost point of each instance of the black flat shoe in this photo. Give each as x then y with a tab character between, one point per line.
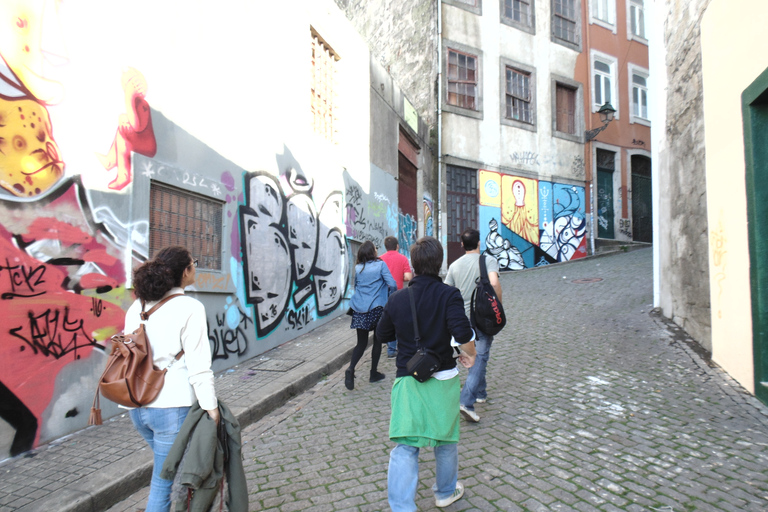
349	379
376	377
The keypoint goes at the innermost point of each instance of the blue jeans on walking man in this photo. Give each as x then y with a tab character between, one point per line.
475	385
391	348
403	475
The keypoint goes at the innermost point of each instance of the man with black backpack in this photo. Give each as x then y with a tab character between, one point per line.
463	274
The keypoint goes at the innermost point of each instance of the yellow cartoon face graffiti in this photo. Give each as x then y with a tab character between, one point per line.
29	157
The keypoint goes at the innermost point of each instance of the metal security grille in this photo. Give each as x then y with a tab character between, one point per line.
462	206
323	89
462	201
177	217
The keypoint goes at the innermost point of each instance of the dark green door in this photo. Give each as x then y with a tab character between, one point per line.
604	204
755	114
642	206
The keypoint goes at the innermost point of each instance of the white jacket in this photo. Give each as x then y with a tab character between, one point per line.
179	323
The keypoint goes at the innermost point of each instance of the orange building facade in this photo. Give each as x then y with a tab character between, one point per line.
614	67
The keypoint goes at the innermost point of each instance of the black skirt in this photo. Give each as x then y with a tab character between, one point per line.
368	320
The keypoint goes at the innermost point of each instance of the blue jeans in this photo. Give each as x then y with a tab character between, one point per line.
474	387
391	347
159	428
403	475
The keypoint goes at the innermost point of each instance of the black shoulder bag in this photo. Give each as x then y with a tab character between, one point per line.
424	362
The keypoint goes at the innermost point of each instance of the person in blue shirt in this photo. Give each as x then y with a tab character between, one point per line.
373	284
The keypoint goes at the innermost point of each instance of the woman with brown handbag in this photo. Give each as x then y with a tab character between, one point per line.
179	325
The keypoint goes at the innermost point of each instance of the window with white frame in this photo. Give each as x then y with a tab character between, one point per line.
638	94
604	81
604	10
637	18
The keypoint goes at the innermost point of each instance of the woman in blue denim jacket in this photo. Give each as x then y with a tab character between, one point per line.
373	284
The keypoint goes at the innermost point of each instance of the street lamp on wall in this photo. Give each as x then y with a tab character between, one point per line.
606	116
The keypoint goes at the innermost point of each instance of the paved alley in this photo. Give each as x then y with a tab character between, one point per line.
595	404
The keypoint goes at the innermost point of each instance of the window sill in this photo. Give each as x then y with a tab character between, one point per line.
453	109
514	123
639	120
602	23
573	137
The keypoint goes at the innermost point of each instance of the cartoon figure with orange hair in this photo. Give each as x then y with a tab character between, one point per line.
515	217
134	131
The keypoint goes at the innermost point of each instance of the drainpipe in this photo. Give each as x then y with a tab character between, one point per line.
592	218
441	184
588	116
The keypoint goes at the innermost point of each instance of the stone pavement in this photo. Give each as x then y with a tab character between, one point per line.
596	404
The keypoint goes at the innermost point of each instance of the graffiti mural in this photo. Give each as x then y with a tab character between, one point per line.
407	232
89	132
429	229
526	223
134	131
57	286
291	252
369	219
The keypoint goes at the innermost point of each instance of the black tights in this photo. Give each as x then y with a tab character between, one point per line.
362	342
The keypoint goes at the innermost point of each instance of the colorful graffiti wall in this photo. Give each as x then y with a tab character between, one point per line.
526	223
87	130
371	212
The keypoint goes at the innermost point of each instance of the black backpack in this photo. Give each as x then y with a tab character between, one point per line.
487	312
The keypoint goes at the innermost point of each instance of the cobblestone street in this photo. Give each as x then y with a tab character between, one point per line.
595	404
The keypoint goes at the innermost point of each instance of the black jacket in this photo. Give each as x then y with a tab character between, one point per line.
440	311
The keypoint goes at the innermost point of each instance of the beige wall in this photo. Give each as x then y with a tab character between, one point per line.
732	34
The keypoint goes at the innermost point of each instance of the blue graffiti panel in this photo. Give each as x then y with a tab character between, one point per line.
545	204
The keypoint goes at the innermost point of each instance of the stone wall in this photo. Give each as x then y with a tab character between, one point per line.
683	233
402	35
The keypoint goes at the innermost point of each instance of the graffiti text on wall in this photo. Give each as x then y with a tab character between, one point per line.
227	339
51	277
369	220
291	251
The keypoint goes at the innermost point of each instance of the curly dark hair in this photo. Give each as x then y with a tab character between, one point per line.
153	278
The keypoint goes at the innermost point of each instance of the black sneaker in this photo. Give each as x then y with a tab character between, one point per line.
349	379
376	376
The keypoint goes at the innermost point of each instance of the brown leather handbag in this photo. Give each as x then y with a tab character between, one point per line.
131	378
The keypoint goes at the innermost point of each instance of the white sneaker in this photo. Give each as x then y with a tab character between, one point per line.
480	400
457	494
469	415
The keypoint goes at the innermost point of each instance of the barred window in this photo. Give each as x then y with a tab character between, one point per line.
178	217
